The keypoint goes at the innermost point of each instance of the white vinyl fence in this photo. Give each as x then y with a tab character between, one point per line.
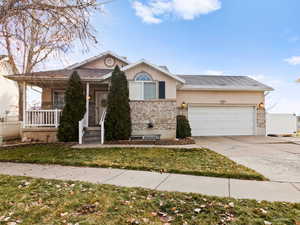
10	130
281	124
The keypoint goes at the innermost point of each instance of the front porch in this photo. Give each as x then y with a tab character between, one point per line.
41	124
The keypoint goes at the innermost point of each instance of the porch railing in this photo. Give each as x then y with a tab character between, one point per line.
42	118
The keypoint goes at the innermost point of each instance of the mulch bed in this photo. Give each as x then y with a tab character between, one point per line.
10	145
186	141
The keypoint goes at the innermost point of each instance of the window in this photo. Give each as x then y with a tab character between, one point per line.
143	77
58	99
143	87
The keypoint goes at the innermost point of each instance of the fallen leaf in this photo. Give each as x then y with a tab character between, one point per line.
197	210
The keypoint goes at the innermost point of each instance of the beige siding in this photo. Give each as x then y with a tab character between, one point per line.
220	97
100	64
171	84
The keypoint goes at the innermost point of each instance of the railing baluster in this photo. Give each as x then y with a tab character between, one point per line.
42	118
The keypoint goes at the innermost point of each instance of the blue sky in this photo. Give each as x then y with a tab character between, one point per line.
249	37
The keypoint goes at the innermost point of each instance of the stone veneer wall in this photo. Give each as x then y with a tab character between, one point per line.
260	122
162	113
39	134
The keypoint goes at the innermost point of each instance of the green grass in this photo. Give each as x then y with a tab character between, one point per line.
202	162
29	201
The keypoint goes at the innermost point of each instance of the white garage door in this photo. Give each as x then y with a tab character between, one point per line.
221	121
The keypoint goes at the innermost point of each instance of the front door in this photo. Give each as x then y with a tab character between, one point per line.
101	102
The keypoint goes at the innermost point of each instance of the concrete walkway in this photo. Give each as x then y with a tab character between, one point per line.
223	187
276	158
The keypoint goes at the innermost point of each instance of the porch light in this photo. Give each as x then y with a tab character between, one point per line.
89	97
261	105
183	105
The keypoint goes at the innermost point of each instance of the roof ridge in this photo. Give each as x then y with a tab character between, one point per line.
211	75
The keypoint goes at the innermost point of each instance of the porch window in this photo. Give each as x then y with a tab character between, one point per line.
58	99
143	87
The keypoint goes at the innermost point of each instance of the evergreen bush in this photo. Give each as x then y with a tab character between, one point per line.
118	119
73	110
183	129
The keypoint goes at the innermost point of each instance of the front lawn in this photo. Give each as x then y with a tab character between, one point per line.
29	201
186	161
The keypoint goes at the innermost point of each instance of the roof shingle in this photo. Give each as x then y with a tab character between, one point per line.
223	82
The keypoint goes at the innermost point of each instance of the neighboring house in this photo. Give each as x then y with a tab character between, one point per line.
214	105
9	92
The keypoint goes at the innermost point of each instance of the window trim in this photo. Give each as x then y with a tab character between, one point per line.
146	81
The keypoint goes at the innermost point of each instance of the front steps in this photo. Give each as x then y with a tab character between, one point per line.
92	135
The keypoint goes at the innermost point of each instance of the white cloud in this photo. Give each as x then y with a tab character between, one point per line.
145	12
294	60
155	10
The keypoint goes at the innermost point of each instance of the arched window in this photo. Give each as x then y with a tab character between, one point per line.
143	77
143	87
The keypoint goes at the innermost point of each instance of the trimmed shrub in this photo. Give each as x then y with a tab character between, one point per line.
73	111
118	119
183	127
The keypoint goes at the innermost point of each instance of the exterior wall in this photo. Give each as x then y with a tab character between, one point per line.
162	113
220	97
9	92
39	134
171	84
47	99
100	64
224	98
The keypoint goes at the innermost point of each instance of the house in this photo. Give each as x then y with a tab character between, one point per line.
214	105
9	92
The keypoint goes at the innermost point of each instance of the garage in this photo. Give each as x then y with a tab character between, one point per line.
222	121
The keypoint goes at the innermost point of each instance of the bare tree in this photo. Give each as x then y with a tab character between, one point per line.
32	31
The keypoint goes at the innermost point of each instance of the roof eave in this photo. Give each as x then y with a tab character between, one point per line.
203	88
47	78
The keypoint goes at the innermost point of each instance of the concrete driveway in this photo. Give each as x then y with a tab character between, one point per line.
276	158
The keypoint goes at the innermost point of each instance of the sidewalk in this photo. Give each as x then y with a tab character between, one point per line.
222	187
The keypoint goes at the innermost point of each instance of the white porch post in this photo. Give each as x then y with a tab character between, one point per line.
24	104
87	103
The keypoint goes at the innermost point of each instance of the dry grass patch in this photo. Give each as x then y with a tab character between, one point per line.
29	201
202	162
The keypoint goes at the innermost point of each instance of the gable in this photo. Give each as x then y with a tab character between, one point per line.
156	75
156	68
101	62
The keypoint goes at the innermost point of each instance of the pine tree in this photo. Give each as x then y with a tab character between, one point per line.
73	111
118	120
